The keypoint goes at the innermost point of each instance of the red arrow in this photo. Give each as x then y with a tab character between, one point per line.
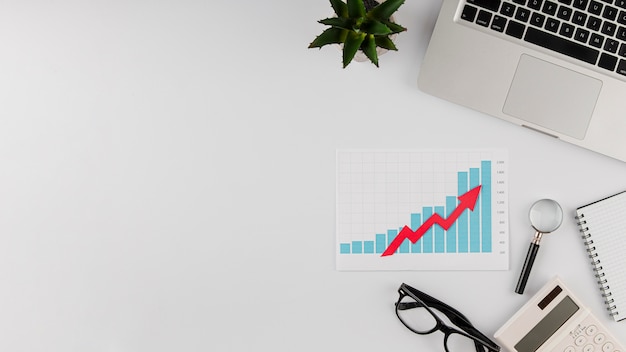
467	201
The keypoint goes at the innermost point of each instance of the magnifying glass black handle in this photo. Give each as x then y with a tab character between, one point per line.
528	264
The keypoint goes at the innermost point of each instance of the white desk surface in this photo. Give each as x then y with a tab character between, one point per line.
167	181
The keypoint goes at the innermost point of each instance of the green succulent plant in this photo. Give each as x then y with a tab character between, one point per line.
358	28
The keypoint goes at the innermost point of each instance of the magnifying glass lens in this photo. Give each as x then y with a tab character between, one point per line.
546	215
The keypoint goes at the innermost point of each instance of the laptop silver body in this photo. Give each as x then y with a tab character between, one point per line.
484	68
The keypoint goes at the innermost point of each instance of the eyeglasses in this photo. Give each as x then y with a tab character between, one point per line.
415	310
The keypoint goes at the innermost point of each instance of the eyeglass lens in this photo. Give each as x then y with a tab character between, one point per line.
415	316
460	343
420	320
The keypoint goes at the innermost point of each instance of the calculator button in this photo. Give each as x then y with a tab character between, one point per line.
580	340
608	347
591	330
569	349
588	348
599	339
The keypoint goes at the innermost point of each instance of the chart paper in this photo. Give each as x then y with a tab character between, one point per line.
448	208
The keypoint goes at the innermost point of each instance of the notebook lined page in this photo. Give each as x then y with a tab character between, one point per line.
604	224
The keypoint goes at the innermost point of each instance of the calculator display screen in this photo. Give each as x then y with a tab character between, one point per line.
547	326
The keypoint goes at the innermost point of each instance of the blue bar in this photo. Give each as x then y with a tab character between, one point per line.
416	222
368	247
451	203
404	246
391	234
462	223
427	239
475	215
381	243
440	233
486	205
344	248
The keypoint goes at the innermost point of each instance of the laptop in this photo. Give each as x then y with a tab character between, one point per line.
555	66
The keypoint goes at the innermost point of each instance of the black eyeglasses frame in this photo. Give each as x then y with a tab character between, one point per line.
468	330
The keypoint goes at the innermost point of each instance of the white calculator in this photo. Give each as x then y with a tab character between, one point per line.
555	320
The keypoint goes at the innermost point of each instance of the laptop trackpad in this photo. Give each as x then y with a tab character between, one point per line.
553	97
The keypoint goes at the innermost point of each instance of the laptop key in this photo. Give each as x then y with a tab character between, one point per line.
552	25
596	40
561	45
622	17
469	13
522	14
537	19
610	13
498	23
611	45
582	35
508	9
594	23
621	68
564	13
483	19
567	30
515	29
607	61
579	18
608	28
595	8
549	8
580	4
536	4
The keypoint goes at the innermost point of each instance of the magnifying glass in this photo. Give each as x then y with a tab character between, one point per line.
545	216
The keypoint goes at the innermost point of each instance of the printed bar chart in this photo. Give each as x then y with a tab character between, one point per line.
422	210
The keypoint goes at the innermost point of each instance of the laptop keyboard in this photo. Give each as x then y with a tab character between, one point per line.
592	31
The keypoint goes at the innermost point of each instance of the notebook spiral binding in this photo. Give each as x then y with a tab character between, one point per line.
596	264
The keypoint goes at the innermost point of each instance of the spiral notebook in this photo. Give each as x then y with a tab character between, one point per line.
603	227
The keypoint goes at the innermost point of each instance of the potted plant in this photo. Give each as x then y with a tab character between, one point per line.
364	25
